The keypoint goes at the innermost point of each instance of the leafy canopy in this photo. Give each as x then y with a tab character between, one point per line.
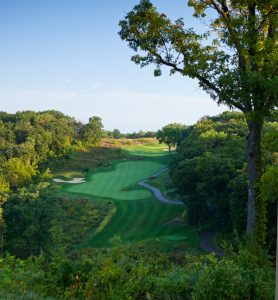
94	130
171	134
235	61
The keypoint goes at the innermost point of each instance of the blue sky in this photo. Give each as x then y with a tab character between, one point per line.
67	55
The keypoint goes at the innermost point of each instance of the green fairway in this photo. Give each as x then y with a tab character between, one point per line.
142	220
113	184
148	150
138	217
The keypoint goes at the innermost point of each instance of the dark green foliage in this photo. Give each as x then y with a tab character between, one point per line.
38	137
171	134
198	211
140	134
29	142
93	131
210	170
116	134
134	135
237	188
33	213
28	215
134	273
239	277
209	157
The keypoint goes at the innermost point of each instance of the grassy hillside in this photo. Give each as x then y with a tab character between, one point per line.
138	216
83	160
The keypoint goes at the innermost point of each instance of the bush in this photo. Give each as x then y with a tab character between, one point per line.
235	277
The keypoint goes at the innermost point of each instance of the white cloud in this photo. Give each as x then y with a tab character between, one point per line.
119	108
67	80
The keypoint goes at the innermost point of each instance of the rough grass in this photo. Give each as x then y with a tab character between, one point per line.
78	217
120	143
83	160
139	217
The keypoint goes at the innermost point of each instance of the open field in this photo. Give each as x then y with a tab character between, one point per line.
138	216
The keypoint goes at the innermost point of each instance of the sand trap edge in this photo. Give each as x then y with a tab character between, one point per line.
73	181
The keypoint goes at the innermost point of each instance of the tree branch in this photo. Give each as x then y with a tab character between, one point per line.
272	11
199	77
223	11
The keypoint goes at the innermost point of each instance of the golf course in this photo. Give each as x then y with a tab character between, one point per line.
138	216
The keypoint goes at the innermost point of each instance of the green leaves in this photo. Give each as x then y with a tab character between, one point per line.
128	272
237	69
94	130
170	134
209	158
19	172
164	42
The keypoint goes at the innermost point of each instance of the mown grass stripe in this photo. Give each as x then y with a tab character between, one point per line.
139	216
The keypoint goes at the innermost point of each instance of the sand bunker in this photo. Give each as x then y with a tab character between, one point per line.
73	181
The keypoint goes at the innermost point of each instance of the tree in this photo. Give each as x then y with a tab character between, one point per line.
18	172
94	130
117	134
170	134
209	171
29	216
235	62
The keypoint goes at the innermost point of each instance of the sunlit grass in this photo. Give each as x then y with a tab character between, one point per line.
113	183
139	217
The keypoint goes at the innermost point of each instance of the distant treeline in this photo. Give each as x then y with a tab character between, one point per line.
116	134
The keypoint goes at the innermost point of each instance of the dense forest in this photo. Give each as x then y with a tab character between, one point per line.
41	227
210	172
30	144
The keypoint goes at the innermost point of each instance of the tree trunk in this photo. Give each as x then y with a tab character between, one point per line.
255	208
276	279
